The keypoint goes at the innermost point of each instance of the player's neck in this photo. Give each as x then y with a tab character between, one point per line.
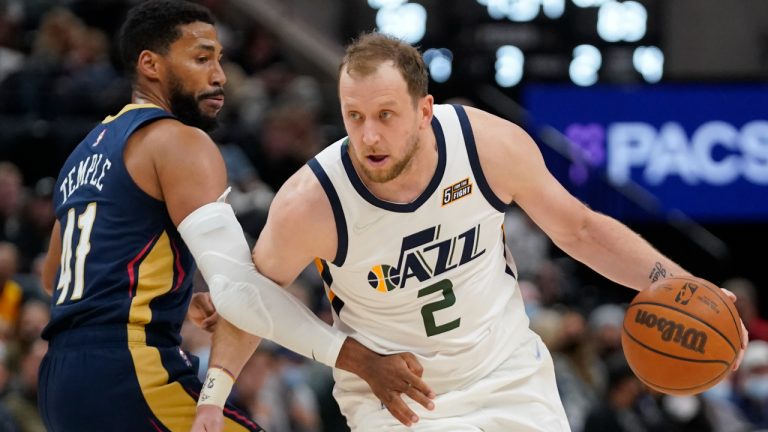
145	96
414	179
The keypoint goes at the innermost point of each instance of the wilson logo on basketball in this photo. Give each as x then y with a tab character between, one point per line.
688	338
686	293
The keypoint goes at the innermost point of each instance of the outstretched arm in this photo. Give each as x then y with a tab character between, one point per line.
516	172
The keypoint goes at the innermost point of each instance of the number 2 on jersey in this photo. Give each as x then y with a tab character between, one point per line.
429	309
85	225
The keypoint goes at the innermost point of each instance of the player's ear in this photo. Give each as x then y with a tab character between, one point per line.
425	110
149	65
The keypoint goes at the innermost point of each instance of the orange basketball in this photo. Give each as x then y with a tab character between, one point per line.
681	335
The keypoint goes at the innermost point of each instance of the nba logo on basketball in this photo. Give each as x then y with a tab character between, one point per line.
686	293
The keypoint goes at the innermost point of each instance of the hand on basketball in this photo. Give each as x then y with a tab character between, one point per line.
744	333
394	375
209	418
202	312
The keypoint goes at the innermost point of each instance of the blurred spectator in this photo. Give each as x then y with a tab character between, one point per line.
11	16
250	196
7	423
300	399
21	400
260	51
35	223
531	297
33	318
31	91
621	410
11	293
527	242
547	323
11	194
747	305
723	412
5	373
319	378
289	138
89	84
605	324
10	61
553	282
578	370
197	342
6	420
259	392
686	413
752	389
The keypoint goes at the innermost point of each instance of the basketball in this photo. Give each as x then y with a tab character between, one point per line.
681	335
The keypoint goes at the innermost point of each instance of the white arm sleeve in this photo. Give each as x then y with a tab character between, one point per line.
246	298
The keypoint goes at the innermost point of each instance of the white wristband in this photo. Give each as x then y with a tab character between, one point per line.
216	387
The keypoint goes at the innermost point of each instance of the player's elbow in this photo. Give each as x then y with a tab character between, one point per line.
580	234
240	303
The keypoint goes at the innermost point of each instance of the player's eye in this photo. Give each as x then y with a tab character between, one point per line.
354	115
385	115
202	59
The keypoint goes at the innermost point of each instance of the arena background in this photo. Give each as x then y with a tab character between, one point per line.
652	111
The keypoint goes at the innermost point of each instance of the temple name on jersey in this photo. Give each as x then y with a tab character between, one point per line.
89	171
424	256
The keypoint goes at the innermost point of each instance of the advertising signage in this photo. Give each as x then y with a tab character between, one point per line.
697	149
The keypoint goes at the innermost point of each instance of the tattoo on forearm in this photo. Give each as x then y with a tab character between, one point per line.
658	272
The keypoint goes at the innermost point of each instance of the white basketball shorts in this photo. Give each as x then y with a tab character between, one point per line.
519	396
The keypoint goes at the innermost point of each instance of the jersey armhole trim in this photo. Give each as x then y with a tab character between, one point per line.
474	161
338	211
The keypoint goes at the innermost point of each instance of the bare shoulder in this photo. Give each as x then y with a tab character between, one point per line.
299	228
168	140
301	215
177	164
508	156
170	137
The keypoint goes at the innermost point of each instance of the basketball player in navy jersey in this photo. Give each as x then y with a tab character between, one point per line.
404	217
119	270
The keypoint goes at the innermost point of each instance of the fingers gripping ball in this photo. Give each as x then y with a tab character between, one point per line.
681	335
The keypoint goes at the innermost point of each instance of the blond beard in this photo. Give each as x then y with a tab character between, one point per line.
378	176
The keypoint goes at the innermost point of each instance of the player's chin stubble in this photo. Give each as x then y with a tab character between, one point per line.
186	107
383	176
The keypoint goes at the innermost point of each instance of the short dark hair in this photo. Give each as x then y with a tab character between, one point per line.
369	50
154	25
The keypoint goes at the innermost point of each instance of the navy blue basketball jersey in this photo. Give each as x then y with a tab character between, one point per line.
122	292
123	264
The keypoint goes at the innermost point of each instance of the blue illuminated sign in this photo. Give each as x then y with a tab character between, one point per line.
699	149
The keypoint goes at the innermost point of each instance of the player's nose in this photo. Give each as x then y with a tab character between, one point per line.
218	77
370	134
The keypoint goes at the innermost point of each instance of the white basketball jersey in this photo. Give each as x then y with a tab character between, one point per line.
431	277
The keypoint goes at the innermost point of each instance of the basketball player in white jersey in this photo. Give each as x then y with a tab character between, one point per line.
404	220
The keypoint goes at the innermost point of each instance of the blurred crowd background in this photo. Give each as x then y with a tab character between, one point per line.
59	76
